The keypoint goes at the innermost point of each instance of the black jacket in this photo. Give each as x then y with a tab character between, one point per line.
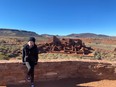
30	54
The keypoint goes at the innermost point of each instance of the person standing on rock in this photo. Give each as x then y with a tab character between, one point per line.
30	58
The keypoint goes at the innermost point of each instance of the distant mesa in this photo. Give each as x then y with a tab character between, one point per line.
81	35
20	33
89	35
23	33
48	35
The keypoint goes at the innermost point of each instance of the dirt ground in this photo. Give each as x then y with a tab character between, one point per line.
69	83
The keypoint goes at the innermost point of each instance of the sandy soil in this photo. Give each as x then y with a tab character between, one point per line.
69	83
102	83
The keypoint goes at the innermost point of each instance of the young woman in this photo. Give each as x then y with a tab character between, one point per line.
30	58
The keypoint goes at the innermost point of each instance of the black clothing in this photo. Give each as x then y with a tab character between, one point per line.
30	56
31	71
32	39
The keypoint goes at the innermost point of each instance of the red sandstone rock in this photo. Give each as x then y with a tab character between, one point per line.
64	45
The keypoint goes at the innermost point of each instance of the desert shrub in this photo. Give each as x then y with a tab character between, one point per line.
3	56
9	51
97	55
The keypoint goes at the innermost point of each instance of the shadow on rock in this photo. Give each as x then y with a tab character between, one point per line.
56	83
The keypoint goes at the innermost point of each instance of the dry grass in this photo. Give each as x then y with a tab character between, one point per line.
9	45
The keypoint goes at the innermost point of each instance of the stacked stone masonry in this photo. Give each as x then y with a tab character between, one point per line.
15	72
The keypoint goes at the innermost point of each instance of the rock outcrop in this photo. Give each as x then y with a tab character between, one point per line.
65	45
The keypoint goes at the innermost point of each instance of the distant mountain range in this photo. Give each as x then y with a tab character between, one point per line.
81	35
23	33
89	35
19	33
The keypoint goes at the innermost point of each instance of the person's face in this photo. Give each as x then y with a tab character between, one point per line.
31	43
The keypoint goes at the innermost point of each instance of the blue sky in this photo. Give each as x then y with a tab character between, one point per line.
59	17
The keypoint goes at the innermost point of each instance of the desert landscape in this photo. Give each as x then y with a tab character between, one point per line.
76	43
58	48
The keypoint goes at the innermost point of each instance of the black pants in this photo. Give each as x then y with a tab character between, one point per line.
30	66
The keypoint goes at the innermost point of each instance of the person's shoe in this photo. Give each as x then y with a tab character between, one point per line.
28	79
32	85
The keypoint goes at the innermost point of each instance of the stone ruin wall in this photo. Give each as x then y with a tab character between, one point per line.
64	45
14	72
